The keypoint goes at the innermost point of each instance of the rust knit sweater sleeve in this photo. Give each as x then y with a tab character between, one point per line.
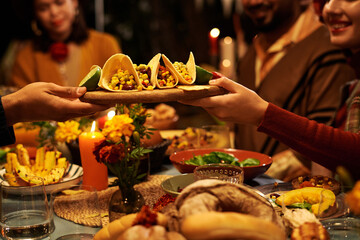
320	143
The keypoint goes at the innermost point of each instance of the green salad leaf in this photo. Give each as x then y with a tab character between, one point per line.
304	205
221	157
249	162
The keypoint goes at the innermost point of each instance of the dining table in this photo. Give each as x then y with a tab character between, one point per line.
63	226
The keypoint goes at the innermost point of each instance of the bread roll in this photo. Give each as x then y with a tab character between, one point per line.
229	225
310	230
114	229
152	233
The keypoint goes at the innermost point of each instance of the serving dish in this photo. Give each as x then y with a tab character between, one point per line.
73	176
341	210
250	172
186	92
317	181
174	184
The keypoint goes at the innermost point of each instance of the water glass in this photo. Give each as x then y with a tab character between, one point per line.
224	172
25	212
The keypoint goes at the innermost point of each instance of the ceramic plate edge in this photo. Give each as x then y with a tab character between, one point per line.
72	177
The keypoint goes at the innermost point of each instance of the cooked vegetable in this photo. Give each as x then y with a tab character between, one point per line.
221	157
48	165
165	78
144	73
319	199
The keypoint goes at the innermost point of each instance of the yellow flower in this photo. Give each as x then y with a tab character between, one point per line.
118	126
67	131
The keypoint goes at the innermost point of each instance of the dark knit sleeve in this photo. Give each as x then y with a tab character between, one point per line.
7	135
320	143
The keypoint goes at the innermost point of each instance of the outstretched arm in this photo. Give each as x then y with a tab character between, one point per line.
323	144
240	105
46	101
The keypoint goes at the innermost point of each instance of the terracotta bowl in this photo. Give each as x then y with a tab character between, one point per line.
251	172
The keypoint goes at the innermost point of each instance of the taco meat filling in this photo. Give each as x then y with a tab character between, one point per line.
165	79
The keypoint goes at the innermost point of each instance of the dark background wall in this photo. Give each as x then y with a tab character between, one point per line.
144	27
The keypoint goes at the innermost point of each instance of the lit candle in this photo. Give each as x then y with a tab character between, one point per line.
102	120
95	173
227	57
213	37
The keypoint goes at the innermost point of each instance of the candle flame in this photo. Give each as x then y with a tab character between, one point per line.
93	126
215	32
111	114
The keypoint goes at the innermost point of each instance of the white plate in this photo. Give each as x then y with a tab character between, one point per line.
73	176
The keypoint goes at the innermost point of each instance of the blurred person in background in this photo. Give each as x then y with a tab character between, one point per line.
328	146
292	64
63	48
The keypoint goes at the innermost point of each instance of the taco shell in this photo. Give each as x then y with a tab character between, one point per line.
154	66
169	66
111	66
191	67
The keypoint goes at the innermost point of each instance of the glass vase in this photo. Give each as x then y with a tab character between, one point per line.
124	201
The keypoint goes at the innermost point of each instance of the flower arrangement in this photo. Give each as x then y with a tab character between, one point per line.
52	133
121	150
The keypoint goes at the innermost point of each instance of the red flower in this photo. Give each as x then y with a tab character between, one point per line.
59	51
106	152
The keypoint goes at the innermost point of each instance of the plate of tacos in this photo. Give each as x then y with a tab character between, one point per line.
159	80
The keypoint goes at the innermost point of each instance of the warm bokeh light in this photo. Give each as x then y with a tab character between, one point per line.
215	32
228	40
226	63
110	114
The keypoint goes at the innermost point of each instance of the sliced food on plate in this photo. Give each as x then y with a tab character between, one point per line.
48	166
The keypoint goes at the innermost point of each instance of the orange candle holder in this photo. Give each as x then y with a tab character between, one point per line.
94	173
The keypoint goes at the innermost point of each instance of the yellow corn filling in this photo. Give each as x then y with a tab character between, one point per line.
123	80
165	78
182	69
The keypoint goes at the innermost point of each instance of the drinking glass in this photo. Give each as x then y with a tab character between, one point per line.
224	172
218	136
25	212
79	206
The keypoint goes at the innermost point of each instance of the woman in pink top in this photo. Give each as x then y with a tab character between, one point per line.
328	146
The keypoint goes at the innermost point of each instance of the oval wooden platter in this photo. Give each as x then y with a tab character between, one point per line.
182	92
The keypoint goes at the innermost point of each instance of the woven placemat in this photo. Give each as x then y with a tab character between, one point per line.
81	213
